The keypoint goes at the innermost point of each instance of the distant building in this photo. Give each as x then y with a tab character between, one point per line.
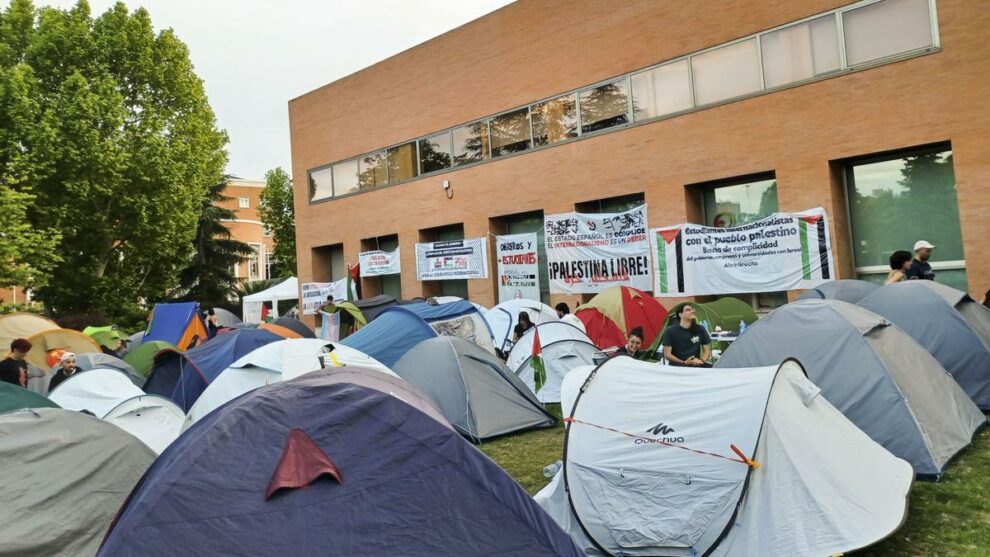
244	196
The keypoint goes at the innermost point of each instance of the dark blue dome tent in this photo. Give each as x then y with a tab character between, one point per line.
393	333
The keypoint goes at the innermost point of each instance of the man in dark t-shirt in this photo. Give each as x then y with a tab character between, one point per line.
920	268
686	343
13	369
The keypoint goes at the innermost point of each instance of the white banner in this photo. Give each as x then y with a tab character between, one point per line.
587	253
454	259
376	263
518	267
314	294
785	251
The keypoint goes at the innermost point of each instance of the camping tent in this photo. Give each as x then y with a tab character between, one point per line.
107	335
95	360
615	311
182	377
975	313
563	347
155	420
502	319
453	299
178	324
650	466
96	391
46	342
874	373
287	327
458	318
13	397
251	304
279	361
68	475
930	319
391	335
21	325
371	453
142	358
226	318
846	290
477	394
726	313
374	305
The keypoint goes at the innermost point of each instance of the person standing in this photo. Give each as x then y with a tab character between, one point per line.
212	323
13	368
686	343
920	268
565	315
67	370
523	324
900	263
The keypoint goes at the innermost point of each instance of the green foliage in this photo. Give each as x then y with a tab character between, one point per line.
114	137
279	215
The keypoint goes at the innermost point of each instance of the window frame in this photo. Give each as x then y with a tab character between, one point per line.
243	202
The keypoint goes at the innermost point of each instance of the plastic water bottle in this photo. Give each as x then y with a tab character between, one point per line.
552	469
742	327
704	323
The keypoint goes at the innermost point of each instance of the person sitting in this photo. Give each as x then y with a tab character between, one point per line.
522	325
634	341
67	370
900	263
686	343
13	368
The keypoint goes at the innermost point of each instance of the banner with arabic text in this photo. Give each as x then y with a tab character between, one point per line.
453	259
518	267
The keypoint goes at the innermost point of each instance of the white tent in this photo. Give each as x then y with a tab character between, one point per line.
155	420
651	470
502	319
288	289
278	361
96	391
564	348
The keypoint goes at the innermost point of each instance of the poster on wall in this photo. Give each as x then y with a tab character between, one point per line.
784	251
314	294
451	260
518	267
377	263
587	253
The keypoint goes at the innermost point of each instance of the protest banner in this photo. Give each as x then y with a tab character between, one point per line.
518	267
784	251
454	259
314	294
376	263
587	253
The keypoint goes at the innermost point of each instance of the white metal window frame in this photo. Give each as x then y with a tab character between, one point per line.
244	202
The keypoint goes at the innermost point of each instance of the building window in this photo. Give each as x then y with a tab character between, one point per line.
618	204
254	263
371	171
726	72
662	90
894	201
800	52
604	106
457	287
244	202
434	152
510	132
554	120
265	231
345	177
533	222
402	163
391	284
886	28
321	184
470	143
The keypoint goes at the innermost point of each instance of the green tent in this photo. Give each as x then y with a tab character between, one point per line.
13	397
142	358
726	312
106	336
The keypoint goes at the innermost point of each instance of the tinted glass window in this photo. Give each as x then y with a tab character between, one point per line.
402	162
726	72
885	29
434	152
800	52
510	132
662	90
345	177
554	120
320	185
604	106
471	143
372	171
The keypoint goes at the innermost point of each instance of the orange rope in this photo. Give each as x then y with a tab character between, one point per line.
743	459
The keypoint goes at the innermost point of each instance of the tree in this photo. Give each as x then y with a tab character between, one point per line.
121	153
209	278
279	215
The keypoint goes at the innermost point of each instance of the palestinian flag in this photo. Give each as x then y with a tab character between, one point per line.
668	269
814	247
536	362
264	313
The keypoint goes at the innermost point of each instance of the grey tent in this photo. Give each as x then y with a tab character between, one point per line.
96	360
66	475
846	290
226	318
475	391
975	313
871	371
374	305
922	311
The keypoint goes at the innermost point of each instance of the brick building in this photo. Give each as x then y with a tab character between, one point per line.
244	196
874	110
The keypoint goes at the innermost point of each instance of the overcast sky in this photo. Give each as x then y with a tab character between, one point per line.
255	55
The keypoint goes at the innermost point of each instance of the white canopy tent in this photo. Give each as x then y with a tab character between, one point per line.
251	305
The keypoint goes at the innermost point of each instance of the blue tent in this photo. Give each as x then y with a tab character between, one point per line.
344	462
182	377
177	324
393	333
449	310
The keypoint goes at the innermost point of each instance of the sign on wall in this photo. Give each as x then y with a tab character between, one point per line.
518	267
376	263
785	251
454	259
587	253
314	294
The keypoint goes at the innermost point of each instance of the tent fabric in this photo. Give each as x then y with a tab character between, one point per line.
96	391
107	335
59	502
288	289
975	313
875	374
564	348
95	360
155	420
374	305
279	361
142	358
294	327
21	325
478	395
411	485
386	339
637	495
458	318
726	313
928	318
58	339
226	318
182	377
846	290
13	397
502	319
179	324
615	311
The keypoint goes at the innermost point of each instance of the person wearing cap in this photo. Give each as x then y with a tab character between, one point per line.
67	370
920	269
13	368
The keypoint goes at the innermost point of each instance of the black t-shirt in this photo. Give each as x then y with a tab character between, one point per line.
519	330
623	350
683	343
920	270
10	370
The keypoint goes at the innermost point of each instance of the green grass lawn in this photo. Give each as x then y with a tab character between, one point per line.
949	518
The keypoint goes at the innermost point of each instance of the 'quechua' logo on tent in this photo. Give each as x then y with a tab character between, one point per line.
661	429
664	434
